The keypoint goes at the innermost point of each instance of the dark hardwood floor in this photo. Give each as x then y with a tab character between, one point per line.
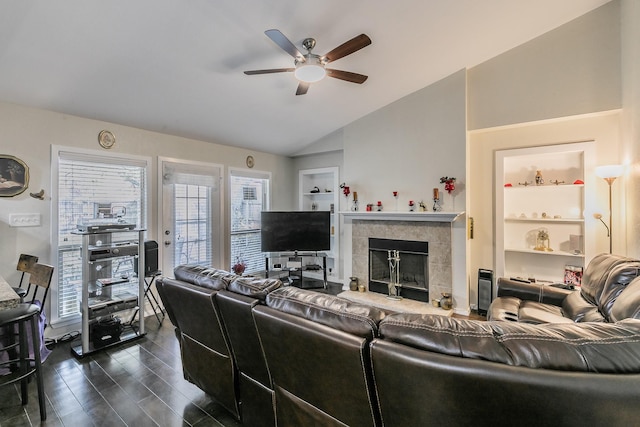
139	383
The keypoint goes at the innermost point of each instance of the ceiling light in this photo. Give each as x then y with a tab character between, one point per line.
310	71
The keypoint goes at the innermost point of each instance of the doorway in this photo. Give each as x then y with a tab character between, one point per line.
191	200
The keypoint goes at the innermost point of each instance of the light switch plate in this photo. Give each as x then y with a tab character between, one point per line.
24	220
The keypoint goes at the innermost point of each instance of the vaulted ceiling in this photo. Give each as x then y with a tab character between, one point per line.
176	66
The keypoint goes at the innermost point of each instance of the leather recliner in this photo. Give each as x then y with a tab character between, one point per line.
254	382
204	348
608	293
317	350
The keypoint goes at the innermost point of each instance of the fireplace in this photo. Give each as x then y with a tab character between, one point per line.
410	261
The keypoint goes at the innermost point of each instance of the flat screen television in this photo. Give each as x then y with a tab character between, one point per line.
295	231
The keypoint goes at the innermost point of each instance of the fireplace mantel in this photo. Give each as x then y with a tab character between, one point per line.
445	230
403	216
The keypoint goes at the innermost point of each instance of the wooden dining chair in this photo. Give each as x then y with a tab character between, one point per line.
25	265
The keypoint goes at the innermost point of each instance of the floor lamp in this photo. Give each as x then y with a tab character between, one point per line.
609	173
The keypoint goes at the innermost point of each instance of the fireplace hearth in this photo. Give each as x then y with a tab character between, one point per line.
411	262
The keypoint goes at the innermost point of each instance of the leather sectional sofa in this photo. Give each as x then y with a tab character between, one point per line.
276	355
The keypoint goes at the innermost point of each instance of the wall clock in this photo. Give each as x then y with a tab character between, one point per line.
106	139
250	161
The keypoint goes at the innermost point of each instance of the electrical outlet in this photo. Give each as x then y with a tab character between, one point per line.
24	220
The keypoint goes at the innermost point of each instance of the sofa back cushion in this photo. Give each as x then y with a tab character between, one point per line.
357	319
206	277
619	278
587	347
253	287
596	273
627	305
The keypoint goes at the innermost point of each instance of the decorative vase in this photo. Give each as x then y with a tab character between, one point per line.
353	284
446	301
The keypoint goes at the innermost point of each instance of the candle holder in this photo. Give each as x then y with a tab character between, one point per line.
436	205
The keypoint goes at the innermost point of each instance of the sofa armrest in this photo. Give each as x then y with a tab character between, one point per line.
543	293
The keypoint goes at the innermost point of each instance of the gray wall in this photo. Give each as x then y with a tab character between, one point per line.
574	69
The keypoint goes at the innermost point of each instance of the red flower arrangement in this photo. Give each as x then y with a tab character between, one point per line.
239	267
345	189
449	183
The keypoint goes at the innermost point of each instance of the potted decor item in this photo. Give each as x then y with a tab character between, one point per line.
239	267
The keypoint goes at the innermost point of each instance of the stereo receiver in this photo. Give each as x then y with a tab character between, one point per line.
102	252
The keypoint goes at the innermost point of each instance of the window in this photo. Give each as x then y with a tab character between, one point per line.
98	188
249	197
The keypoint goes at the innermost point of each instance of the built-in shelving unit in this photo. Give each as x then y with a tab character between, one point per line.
541	200
110	285
319	189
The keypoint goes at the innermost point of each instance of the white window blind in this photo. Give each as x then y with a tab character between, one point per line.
91	186
249	196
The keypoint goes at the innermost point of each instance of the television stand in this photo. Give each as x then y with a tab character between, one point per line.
300	273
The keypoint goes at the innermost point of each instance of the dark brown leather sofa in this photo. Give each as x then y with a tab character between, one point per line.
609	292
300	358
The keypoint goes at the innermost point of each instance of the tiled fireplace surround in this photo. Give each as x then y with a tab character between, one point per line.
445	233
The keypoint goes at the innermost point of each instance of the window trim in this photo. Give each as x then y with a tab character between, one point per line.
87	154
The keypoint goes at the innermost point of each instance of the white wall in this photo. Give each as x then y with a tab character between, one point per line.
28	134
408	145
631	122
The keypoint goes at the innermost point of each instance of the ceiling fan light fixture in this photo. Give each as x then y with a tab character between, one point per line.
310	71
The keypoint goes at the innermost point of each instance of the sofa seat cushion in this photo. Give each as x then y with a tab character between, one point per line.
339	313
206	277
253	287
537	312
578	309
586	347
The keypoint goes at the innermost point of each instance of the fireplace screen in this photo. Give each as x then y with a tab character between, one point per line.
413	267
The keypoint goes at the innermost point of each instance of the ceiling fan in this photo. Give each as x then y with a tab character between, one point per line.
310	68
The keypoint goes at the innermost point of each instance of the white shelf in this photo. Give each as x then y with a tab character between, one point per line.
549	220
552	253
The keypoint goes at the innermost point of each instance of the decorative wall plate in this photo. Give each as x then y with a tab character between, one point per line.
14	176
106	139
250	161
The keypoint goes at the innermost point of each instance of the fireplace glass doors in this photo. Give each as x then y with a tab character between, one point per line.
412	267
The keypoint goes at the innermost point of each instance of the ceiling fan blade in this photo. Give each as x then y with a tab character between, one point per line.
270	71
285	44
347	48
303	87
347	76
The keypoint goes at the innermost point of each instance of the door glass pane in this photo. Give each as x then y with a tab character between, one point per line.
192	224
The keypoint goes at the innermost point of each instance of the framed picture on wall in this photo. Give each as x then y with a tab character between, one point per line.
14	176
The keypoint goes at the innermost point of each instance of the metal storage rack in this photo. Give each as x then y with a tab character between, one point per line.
106	290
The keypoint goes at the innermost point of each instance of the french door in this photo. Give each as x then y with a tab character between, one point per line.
191	200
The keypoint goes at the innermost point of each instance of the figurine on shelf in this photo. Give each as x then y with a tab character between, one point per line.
542	241
539	179
423	206
412	206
